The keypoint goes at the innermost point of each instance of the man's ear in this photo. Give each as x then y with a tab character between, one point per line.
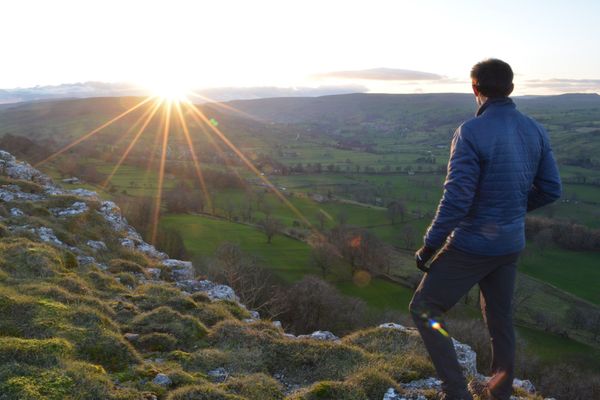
475	90
512	87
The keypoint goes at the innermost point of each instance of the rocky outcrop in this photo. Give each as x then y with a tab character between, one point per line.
181	272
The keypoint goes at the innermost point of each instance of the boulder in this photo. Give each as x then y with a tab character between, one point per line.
467	358
97	245
218	375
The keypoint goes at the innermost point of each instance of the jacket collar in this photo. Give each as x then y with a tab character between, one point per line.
498	101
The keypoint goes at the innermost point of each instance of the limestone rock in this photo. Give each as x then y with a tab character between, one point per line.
79	207
218	374
525	385
320	335
467	358
214	291
16	212
162	380
97	245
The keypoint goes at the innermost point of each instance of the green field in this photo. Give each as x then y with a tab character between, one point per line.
288	258
574	271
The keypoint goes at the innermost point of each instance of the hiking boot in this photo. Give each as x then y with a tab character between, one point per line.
480	390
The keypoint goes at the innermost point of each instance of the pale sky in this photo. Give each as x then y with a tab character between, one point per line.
551	45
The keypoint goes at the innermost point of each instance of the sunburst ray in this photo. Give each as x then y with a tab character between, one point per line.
91	133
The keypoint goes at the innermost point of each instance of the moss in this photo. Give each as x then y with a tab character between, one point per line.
255	387
201	392
157	342
186	329
40	352
374	382
22	258
120	265
330	390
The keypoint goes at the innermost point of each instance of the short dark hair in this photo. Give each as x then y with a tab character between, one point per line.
493	78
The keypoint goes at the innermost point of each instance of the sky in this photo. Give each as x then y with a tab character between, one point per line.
390	46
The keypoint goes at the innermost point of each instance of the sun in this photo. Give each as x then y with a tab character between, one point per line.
169	89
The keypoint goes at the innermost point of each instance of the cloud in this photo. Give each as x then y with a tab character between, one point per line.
99	89
383	74
558	85
233	93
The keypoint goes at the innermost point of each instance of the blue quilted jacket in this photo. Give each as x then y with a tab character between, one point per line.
501	166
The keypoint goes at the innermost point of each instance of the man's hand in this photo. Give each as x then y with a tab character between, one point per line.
422	256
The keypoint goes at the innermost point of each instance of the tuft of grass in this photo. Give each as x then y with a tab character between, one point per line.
384	340
24	259
255	387
374	382
156	341
188	330
201	392
120	265
106	348
39	352
330	390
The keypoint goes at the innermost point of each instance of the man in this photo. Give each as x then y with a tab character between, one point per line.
501	166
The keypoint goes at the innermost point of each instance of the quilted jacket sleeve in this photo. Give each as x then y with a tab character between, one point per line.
459	189
546	186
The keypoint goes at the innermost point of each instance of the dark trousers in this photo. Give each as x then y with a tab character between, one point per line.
452	274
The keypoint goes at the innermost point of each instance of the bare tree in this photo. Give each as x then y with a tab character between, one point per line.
324	256
408	236
252	283
321	218
396	210
270	226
